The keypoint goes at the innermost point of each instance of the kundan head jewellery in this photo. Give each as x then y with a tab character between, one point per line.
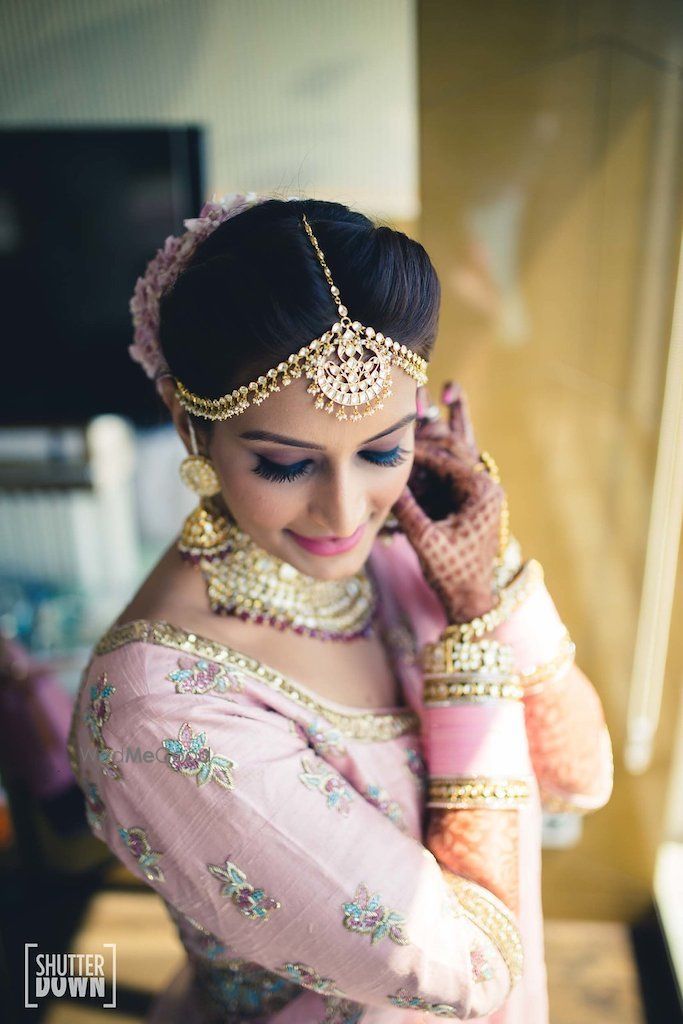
349	366
349	372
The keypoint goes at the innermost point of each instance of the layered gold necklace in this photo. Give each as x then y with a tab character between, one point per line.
246	581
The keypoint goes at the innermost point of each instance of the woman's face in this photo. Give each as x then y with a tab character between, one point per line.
298	480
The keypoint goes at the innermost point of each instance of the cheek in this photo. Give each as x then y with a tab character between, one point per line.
387	484
256	501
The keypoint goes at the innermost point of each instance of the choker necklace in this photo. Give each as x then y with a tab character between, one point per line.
246	581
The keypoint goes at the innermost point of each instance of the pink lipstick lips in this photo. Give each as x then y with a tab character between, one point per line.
328	545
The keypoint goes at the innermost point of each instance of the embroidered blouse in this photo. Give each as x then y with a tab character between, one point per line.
284	833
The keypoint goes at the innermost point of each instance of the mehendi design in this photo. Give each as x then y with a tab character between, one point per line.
481	843
97	713
379	798
190	755
137	842
365	914
330	783
309	978
202	676
562	724
404	999
251	902
95	809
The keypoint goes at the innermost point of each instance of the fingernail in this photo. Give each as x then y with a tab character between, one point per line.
450	393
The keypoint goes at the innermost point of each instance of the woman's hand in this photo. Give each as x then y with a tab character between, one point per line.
451	512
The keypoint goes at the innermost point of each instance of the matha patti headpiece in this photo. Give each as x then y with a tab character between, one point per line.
349	366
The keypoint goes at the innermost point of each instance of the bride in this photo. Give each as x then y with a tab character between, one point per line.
325	726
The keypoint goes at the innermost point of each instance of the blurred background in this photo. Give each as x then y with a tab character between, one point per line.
534	148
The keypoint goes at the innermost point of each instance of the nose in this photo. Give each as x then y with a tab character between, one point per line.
339	505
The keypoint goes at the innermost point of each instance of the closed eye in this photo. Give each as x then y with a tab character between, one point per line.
282	473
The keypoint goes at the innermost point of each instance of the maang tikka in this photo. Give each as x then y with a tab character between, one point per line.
349	368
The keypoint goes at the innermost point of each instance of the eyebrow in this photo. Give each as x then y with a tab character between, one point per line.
266	435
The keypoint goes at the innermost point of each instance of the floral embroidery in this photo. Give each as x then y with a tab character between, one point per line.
243	989
404	999
148	859
328	782
251	902
480	965
342	1011
417	766
380	799
366	914
94	808
323	740
200	676
309	978
190	755
95	717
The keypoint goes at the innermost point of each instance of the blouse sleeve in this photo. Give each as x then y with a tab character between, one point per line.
229	814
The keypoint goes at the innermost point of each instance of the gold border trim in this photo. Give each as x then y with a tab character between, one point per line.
493	917
361	725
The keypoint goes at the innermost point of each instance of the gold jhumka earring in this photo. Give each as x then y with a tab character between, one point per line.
205	531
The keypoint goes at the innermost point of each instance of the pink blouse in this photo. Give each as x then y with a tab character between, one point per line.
284	833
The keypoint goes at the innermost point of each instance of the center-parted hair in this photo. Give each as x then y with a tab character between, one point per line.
254	291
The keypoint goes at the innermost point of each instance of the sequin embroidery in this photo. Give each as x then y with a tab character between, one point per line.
365	914
380	799
417	766
309	978
201	676
243	990
342	1011
251	902
190	755
404	999
137	842
323	740
480	965
95	809
320	776
97	714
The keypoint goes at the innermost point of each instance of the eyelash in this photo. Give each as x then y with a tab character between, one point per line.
285	474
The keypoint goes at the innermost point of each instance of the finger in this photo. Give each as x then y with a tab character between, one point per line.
446	452
459	419
412	519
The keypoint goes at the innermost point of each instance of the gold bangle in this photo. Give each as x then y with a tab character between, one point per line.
461	792
442	692
448	656
511	596
535	679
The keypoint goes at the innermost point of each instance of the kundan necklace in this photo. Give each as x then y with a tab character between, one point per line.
248	582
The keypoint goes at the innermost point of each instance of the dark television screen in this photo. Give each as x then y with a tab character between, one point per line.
81	212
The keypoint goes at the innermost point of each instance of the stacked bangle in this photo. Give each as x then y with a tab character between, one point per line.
512	595
462	792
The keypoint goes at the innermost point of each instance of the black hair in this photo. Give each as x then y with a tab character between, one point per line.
254	291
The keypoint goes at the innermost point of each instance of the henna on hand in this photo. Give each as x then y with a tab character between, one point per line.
451	513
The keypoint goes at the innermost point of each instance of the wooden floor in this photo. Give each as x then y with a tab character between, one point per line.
592	977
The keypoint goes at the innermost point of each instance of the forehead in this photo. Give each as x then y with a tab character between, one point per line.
292	411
